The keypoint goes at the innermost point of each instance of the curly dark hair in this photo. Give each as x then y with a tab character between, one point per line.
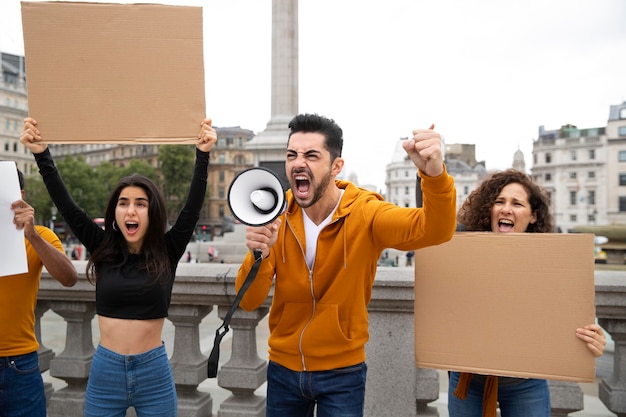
475	213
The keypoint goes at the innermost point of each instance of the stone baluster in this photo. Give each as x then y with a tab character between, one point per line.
391	351
611	313
245	371
565	397
73	364
187	361
45	354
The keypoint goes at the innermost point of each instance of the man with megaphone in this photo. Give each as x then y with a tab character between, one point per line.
323	251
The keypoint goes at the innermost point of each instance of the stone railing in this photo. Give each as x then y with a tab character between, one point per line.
392	389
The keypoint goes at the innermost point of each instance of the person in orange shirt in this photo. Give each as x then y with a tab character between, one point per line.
21	385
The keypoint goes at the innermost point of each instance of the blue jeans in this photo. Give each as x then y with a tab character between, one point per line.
117	382
337	393
21	387
516	398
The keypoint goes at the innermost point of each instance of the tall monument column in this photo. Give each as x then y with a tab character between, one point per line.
269	146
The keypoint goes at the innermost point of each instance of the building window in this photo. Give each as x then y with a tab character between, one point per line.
591	197
548	158
621	131
406	190
221	176
591	174
592	154
548	176
622	178
572	198
221	158
622	156
220	192
572	155
572	217
221	210
622	204
572	175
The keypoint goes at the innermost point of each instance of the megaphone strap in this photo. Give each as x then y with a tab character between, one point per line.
221	331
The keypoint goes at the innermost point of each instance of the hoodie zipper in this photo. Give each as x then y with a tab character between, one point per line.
300	339
310	319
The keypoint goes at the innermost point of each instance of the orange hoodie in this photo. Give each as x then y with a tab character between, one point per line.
318	320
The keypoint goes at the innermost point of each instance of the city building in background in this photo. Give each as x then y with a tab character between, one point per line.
584	170
460	162
13	110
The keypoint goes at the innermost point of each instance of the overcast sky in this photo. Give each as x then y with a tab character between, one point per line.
487	72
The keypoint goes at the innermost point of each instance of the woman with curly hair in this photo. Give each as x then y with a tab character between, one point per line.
508	201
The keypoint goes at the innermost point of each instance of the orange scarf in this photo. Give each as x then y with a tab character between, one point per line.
490	394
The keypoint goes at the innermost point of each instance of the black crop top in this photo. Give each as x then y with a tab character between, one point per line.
126	291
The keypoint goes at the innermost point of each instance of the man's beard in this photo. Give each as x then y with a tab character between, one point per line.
319	191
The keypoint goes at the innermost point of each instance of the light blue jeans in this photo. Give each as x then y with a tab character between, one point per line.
117	382
519	398
21	387
337	393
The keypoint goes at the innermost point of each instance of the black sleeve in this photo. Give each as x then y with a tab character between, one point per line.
180	234
89	233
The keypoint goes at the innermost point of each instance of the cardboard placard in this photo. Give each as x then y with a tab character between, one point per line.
114	73
506	304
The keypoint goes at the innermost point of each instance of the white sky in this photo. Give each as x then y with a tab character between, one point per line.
487	72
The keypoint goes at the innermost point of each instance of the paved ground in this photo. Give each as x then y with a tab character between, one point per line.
53	334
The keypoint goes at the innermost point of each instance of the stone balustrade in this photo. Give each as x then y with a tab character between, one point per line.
392	388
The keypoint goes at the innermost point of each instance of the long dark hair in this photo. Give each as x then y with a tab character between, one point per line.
475	213
114	249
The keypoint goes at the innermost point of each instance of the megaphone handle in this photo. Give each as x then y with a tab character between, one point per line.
258	255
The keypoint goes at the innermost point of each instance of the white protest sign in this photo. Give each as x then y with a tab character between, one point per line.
12	248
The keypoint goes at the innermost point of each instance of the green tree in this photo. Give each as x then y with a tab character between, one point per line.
176	163
83	184
37	196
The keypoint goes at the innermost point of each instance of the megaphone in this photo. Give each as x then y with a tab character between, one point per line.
256	197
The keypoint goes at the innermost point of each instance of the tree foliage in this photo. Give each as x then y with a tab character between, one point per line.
176	162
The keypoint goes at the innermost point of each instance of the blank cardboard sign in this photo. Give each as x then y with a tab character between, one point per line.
114	73
506	304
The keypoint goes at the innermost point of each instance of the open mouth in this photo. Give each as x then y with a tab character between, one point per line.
302	184
505	226
132	227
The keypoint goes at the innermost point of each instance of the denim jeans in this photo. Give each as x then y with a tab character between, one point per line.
21	387
337	393
523	398
117	382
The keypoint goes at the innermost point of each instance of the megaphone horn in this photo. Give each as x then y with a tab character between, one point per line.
256	197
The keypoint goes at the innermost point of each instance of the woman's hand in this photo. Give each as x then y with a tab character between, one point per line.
594	337
31	137
207	136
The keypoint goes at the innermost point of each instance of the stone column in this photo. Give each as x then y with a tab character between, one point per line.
395	387
73	364
245	371
187	361
611	313
45	354
565	398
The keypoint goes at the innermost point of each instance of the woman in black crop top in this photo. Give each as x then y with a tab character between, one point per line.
133	264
